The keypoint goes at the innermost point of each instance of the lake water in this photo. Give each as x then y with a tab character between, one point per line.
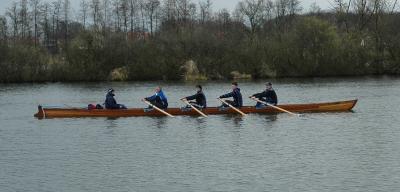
354	151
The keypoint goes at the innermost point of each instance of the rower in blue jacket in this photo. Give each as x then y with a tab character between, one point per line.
269	96
158	99
235	94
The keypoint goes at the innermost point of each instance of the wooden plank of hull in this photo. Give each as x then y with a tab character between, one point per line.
302	108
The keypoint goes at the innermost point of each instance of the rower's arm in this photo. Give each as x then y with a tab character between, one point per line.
193	97
227	95
151	98
260	95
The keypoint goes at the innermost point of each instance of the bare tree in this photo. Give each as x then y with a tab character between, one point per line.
35	4
84	7
314	8
95	6
12	13
105	15
3	29
56	21
142	16
285	8
254	11
281	9
151	9
268	8
116	11
205	11
294	7
394	7
378	8
45	23
132	14
170	8
66	9
24	18
342	9
183	10
192	12
363	13
158	17
124	7
223	18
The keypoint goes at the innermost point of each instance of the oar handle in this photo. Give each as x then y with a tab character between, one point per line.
197	110
234	108
158	109
273	106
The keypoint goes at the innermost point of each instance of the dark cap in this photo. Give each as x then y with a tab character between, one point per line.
268	83
199	86
110	90
235	83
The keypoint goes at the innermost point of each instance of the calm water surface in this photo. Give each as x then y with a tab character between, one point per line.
357	151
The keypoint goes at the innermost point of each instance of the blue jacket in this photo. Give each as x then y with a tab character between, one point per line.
110	102
159	95
237	97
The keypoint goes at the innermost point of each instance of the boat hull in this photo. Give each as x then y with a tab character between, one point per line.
340	106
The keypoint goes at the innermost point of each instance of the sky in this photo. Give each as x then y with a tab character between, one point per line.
217	4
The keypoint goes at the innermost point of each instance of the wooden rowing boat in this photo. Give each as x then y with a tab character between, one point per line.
43	112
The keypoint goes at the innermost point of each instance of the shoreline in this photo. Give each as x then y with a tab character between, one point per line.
277	79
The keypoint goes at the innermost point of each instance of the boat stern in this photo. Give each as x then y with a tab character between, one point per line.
40	114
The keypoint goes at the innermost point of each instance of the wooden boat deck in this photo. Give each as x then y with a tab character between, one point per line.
340	106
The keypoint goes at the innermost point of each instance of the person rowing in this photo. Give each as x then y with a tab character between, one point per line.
235	94
269	96
197	100
110	102
158	99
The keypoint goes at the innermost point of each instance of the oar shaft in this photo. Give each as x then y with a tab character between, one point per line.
158	109
198	111
234	108
275	107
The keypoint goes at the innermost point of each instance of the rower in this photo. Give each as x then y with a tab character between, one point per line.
198	100
269	96
110	102
158	99
235	94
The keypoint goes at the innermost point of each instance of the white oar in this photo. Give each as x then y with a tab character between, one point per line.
234	108
158	109
197	110
276	107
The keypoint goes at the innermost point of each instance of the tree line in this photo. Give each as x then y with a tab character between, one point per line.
153	40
